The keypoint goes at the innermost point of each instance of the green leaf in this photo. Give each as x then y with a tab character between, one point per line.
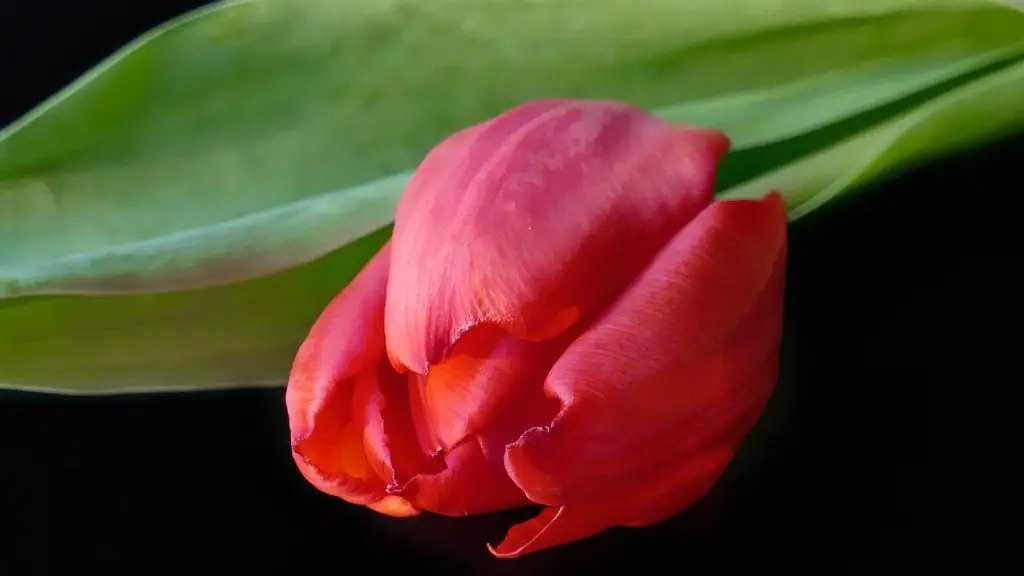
757	118
987	109
255	136
241	334
262	137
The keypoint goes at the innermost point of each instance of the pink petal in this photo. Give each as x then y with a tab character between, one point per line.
679	366
682	483
535	219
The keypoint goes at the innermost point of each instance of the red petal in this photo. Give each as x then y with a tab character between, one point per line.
474	480
536	218
682	484
680	365
343	348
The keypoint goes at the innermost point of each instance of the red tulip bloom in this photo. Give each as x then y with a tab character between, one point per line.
562	317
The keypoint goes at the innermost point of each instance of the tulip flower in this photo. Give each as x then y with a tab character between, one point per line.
562	317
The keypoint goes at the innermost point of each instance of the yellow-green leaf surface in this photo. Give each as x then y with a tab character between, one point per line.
241	149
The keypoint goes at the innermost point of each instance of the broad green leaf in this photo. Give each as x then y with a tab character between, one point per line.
253	137
761	117
986	109
235	335
256	136
302	230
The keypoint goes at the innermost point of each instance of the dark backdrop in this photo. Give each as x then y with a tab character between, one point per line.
836	479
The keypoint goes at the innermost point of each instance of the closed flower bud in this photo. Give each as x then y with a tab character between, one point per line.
563	316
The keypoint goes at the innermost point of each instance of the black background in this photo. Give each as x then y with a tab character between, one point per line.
837	478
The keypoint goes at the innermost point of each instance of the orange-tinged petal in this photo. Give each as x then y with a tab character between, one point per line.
681	484
339	356
393	441
680	365
394	506
486	372
537	218
346	340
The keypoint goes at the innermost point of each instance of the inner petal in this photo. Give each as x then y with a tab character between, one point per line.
469	484
330	453
479	400
390	439
474	480
487	371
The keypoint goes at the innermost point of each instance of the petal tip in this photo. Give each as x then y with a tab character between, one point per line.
394	506
297	440
297	444
497	554
775	197
718	143
714	143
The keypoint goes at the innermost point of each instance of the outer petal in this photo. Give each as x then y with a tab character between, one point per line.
536	218
344	347
683	482
677	368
